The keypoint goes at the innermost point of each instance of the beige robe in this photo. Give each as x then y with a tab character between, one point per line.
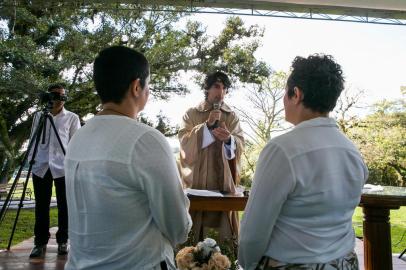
209	169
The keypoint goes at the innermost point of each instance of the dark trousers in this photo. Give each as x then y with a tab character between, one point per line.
43	193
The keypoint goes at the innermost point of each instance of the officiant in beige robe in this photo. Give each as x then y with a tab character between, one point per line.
211	142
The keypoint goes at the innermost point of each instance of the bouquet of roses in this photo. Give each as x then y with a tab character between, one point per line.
205	255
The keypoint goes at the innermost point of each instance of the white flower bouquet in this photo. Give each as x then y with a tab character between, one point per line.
205	255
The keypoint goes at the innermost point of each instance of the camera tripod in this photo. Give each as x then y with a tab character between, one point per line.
39	130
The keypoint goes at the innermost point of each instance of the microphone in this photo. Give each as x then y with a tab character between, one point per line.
216	106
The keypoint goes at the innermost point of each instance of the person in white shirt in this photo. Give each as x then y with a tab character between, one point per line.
211	142
127	209
48	169
307	181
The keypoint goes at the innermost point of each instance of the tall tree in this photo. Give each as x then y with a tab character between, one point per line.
58	41
381	138
264	116
348	101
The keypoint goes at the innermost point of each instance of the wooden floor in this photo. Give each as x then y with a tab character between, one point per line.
398	264
17	258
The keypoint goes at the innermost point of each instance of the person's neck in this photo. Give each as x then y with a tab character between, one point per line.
123	109
308	114
56	111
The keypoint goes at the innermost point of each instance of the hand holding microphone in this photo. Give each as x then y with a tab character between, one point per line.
219	130
214	116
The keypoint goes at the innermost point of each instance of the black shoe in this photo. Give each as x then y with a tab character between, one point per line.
62	249
38	251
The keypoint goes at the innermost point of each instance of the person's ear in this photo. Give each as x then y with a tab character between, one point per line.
135	88
297	95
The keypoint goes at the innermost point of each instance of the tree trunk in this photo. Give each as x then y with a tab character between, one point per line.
5	171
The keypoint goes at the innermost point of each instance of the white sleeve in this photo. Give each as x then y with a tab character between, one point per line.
207	137
154	163
229	149
272	183
75	125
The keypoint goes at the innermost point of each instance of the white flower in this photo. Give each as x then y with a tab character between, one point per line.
210	242
200	246
208	247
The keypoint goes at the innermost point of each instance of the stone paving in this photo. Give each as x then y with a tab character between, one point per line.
18	257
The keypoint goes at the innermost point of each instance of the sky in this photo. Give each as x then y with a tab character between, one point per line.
372	56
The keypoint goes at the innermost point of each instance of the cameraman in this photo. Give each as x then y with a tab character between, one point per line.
48	167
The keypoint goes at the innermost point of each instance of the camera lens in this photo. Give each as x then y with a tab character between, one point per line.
46	97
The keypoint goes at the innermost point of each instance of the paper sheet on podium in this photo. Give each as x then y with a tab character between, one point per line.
369	187
203	192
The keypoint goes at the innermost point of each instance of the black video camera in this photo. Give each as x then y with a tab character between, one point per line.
49	97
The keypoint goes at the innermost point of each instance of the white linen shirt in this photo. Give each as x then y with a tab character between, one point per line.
127	209
50	154
306	186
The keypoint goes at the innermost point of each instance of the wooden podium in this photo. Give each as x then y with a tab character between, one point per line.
376	207
226	203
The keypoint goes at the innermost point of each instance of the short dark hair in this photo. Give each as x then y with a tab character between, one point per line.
214	77
115	68
321	80
56	86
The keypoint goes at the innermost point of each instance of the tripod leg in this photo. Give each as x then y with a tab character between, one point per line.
20	205
35	138
37	134
6	204
400	256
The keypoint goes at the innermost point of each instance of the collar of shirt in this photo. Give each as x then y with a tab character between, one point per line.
204	106
317	122
61	113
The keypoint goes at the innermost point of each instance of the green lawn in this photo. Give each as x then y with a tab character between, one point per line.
31	187
25	226
398	227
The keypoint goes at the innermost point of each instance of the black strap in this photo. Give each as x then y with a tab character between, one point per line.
164	266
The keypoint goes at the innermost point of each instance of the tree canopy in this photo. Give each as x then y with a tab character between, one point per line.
43	44
381	138
264	117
